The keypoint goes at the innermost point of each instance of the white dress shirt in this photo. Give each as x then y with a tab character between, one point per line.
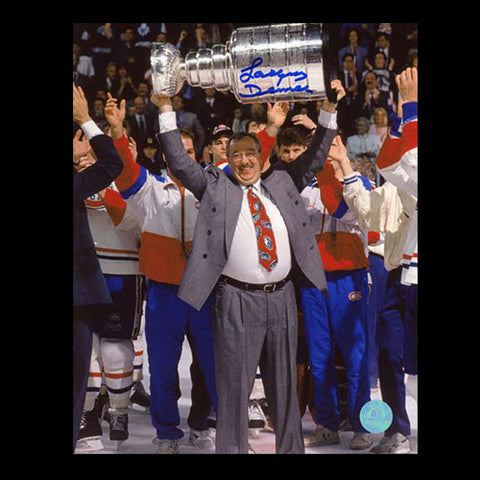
243	261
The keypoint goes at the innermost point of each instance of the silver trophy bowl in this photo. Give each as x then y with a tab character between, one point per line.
167	75
281	62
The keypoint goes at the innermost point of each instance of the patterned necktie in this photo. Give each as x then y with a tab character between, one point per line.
267	251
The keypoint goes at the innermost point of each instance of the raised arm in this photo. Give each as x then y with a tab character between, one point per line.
312	161
108	165
191	173
397	160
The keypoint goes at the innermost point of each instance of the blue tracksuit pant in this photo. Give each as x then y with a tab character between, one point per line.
340	318
375	301
167	320
397	347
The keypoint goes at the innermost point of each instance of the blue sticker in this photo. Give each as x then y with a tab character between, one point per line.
376	416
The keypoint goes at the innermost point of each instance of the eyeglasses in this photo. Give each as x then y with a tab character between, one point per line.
237	156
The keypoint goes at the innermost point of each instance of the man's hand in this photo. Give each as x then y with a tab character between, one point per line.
132	146
80	106
115	115
407	85
163	102
337	152
338	156
276	116
304	120
336	86
80	147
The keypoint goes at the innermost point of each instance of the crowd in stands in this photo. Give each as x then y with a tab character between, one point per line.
115	58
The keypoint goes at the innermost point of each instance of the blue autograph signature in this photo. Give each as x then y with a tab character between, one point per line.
248	73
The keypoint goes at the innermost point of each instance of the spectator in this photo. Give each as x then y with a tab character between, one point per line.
382	44
211	109
83	71
363	143
379	125
190	121
143	90
101	46
127	89
256	124
142	124
412	60
385	75
150	157
359	53
216	150
97	110
124	51
145	34
350	107
366	32
372	96
109	81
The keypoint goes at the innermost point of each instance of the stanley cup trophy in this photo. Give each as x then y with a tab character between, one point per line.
282	62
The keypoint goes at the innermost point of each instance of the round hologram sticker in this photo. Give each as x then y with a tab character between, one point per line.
376	416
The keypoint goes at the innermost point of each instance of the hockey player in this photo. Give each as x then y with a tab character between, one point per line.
167	212
341	318
392	209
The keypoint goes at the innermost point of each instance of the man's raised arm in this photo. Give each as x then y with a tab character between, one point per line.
312	161
191	174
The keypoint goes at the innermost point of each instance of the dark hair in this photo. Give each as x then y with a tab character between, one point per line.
382	34
256	119
241	136
293	136
379	52
347	55
350	30
185	132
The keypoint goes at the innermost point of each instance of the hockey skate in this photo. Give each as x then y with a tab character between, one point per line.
90	433
102	403
118	428
139	398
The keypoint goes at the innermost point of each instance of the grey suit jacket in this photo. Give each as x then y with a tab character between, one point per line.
221	200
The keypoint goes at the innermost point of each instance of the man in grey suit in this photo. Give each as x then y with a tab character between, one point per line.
255	312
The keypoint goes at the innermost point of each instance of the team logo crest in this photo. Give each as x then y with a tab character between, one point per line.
355	296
